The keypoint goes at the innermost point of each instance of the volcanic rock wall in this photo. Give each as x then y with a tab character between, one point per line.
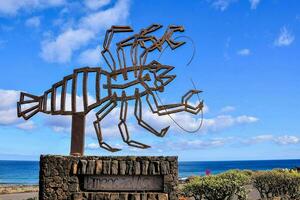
111	178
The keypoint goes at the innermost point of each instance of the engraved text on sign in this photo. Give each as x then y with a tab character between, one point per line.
123	183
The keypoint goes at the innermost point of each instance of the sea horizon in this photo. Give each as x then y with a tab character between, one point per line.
26	172
179	160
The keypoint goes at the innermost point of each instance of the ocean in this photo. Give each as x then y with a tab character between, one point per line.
27	172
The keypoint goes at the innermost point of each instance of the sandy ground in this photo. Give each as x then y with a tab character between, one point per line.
253	195
19	196
9	189
24	192
18	192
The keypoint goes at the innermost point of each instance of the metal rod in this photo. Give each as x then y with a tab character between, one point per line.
77	138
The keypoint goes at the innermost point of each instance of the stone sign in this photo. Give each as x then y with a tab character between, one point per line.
123	183
108	178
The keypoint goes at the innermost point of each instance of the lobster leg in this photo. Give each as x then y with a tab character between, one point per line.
100	115
106	53
141	122
123	127
174	108
194	109
121	54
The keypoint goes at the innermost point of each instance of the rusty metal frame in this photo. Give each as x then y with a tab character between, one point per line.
143	74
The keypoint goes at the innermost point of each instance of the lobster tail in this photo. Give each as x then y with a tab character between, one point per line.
29	105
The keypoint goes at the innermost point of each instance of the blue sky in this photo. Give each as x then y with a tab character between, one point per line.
246	62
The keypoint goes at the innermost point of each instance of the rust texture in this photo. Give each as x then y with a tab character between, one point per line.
147	78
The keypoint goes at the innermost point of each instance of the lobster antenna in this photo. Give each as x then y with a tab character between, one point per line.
193	53
193	83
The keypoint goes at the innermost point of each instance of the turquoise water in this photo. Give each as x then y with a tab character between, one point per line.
27	172
19	172
198	168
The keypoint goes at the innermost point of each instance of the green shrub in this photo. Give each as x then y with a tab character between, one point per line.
277	183
239	179
193	188
218	187
283	184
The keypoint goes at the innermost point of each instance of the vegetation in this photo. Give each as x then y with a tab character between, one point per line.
218	187
279	184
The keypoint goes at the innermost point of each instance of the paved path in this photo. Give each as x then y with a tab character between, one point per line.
19	196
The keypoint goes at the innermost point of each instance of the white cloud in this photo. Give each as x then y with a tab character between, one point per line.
58	123
96	4
90	57
103	19
8	98
287	139
285	38
226	121
192	122
244	52
244	119
201	144
27	125
222	4
188	121
61	48
254	4
259	139
191	144
282	140
8	116
33	22
8	110
12	7
205	109
92	146
62	123
195	144
227	109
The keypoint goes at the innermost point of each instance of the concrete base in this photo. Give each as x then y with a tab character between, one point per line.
93	177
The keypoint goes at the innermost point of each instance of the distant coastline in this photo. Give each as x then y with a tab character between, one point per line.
16	172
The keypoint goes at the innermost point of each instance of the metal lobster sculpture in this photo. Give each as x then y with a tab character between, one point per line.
148	79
